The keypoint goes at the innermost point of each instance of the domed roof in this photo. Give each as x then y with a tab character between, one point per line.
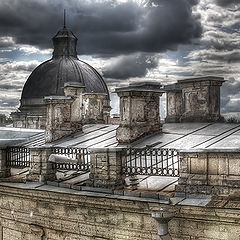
49	77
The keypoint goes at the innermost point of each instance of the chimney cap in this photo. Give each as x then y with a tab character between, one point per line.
172	88
145	83
143	87
202	79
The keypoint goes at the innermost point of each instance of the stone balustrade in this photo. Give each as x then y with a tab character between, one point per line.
207	171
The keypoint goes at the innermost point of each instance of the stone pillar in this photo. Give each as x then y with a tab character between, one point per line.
163	217
75	90
4	170
106	168
201	99
41	170
64	113
58	117
106	111
93	104
139	111
174	103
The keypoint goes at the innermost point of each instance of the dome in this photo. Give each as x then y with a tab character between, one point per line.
49	77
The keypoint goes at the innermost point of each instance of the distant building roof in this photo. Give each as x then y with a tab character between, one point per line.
10	136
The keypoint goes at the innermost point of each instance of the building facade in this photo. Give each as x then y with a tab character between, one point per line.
59	196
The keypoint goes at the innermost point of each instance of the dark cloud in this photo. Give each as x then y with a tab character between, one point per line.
136	65
6	42
9	102
219	56
230	89
221	40
15	67
103	27
227	3
10	87
228	57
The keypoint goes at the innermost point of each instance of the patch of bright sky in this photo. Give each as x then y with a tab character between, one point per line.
21	55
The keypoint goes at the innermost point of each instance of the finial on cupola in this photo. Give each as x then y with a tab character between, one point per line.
64	19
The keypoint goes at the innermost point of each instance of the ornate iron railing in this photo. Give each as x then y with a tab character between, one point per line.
145	161
18	157
73	158
150	161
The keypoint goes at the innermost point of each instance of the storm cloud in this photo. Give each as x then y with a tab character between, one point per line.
135	65
230	91
125	40
227	3
103	28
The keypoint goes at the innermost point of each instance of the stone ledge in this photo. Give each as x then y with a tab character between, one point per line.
147	195
105	150
211	150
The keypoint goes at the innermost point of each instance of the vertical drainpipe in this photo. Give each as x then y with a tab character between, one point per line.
163	217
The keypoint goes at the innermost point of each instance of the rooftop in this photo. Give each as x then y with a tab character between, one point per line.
220	136
198	136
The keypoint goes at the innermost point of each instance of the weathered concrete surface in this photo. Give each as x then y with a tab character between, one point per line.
174	103
41	170
59	118
27	120
94	108
194	100
64	114
72	215
4	169
139	112
211	172
31	114
106	168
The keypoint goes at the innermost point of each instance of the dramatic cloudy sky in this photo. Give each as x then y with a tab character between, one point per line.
126	41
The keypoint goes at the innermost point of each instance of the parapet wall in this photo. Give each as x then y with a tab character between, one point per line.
65	215
209	171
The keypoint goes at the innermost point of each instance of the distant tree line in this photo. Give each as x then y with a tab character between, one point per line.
232	120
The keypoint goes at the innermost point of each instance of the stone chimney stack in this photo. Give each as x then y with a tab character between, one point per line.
194	100
201	99
139	111
64	113
93	108
174	103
